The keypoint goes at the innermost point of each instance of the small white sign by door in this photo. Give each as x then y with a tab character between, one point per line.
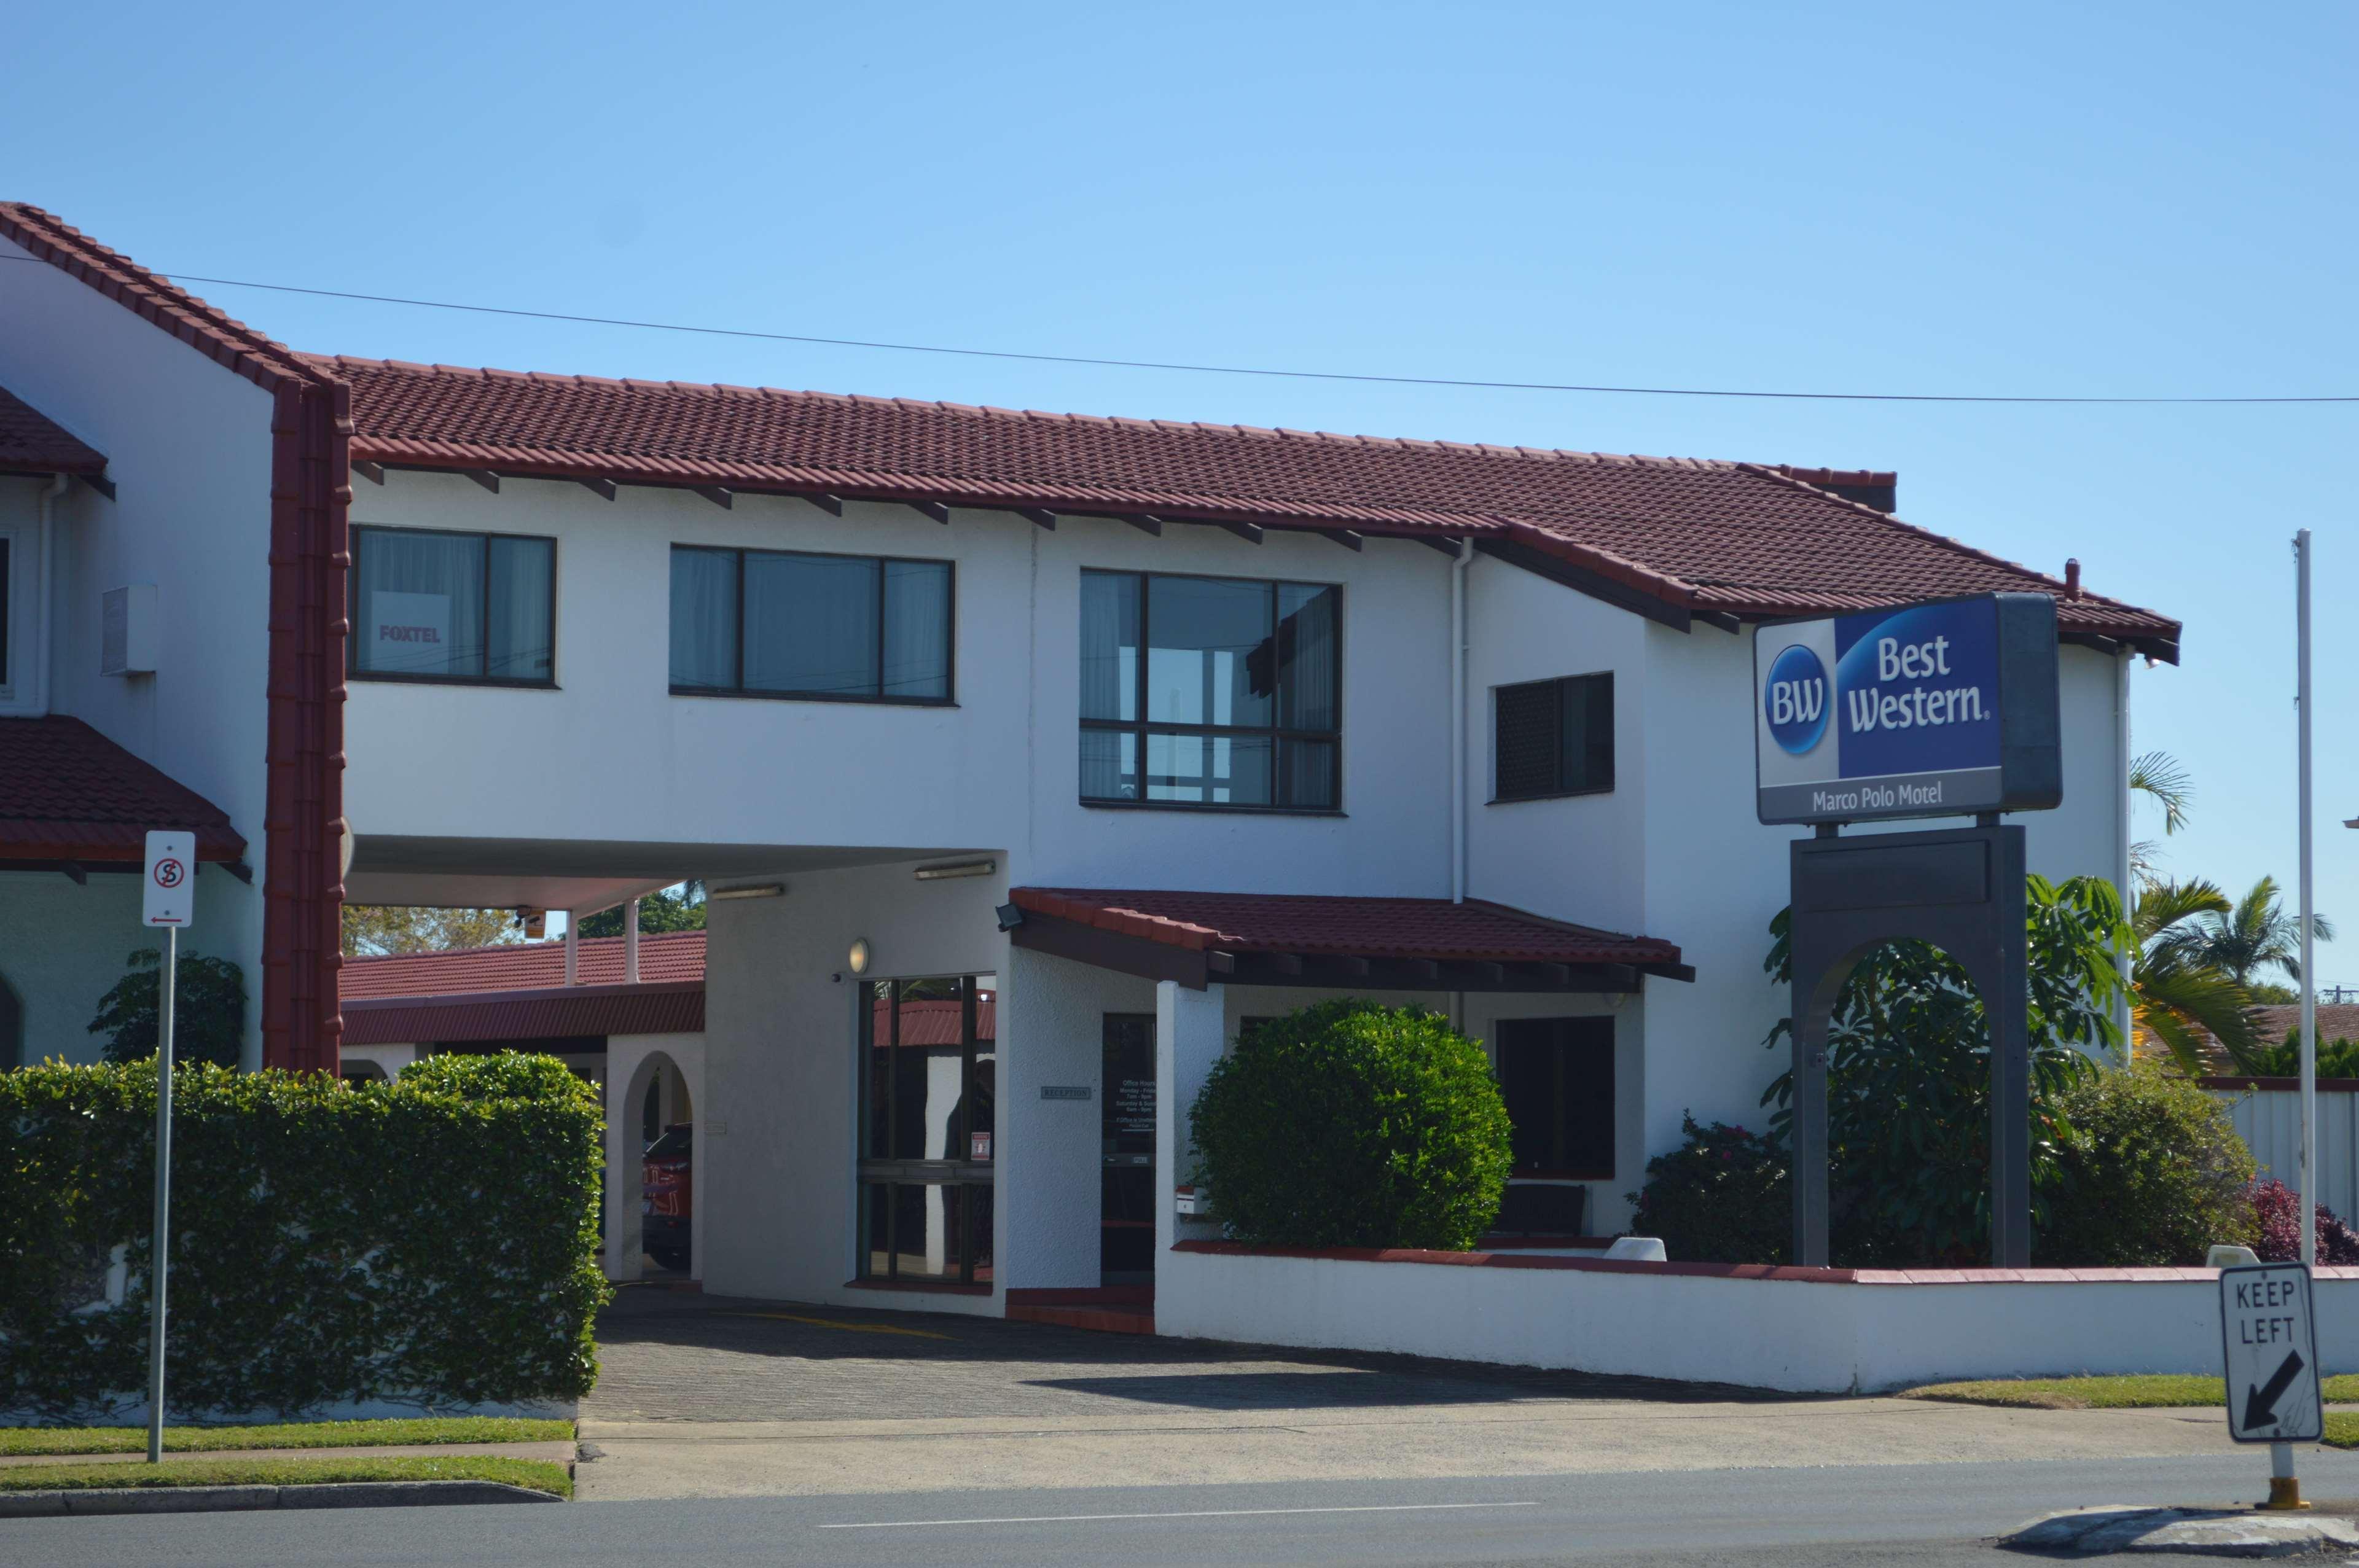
171	881
2270	1340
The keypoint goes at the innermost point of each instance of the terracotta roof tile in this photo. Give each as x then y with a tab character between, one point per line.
1435	928
68	793
676	955
32	443
1740	538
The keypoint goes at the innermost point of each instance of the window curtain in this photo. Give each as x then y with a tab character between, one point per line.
704	618
1109	646
1307	662
810	624
916	628
522	641
422	603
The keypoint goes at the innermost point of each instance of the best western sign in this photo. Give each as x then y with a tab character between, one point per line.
1936	709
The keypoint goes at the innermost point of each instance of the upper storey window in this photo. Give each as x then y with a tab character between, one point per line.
1552	738
432	606
1214	692
817	628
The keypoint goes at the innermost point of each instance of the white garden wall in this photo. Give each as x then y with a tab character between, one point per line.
1840	1332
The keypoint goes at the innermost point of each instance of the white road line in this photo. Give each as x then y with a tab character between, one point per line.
1196	1513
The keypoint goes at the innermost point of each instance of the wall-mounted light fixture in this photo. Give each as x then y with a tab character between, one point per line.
858	958
755	890
1010	917
956	869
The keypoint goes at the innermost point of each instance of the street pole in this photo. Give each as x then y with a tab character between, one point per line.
162	1249
2308	990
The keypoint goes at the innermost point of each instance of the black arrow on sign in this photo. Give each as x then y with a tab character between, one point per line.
2261	1405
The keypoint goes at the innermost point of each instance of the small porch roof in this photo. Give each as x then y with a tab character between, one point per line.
651	1007
1285	939
71	798
31	442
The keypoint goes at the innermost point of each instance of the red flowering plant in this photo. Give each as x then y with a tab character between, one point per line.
2279	1211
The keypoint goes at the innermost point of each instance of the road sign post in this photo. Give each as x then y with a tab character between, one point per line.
170	901
2269	1340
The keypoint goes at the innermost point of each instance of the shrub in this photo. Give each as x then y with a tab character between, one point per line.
1908	1076
431	1240
2337	1058
1351	1124
1725	1197
2150	1172
2277	1219
208	1009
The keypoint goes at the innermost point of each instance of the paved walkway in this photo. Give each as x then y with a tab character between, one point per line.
709	1397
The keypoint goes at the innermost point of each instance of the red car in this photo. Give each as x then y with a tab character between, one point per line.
667	1198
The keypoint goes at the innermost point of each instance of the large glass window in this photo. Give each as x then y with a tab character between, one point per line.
1556	1075
454	607
823	628
928	1092
1210	692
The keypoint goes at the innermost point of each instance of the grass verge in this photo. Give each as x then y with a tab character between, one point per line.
292	1434
2342	1429
2143	1391
539	1475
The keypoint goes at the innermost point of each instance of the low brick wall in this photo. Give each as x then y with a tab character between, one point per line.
1803	1330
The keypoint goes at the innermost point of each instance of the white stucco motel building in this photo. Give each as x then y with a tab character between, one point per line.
1094	738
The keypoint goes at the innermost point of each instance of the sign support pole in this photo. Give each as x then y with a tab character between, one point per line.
2308	990
157	1264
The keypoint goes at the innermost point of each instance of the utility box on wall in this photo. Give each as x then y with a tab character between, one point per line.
127	629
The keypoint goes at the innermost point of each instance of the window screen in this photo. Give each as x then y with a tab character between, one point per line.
1553	737
1556	1077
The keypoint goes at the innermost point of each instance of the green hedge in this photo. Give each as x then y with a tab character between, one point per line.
1353	1124
432	1240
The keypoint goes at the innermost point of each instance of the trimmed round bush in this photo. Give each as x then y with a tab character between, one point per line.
2150	1172
1721	1198
1351	1124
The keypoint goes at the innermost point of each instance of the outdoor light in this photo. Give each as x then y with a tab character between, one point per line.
957	869
858	958
756	890
1010	917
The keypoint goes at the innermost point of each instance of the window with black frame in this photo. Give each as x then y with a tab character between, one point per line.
479	609
1210	692
1556	1075
1552	738
815	628
928	1090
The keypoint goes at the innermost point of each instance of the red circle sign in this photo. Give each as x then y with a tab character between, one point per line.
169	874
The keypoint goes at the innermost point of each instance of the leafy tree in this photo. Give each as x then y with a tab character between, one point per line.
1353	1124
2151	1174
2256	935
2337	1058
1908	1074
373	930
679	908
2177	994
208	1012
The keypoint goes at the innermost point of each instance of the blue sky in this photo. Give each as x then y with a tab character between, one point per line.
2152	199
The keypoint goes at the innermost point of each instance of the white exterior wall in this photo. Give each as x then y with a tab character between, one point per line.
1000	769
188	444
1655	1321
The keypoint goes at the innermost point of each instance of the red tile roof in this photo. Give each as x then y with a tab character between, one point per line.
32	443
670	1008
1415	928
1708	537
68	793
676	955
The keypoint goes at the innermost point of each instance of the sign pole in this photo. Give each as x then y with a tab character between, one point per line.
2309	991
168	900
165	985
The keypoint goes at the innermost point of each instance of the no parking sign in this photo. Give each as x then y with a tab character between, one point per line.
171	881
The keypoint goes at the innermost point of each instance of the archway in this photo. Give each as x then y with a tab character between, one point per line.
653	1086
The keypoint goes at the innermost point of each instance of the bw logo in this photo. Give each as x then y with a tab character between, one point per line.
1795	699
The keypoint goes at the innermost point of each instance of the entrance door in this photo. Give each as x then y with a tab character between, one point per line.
1126	1125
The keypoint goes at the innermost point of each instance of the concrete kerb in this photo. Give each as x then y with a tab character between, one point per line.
2208	1532
70	1501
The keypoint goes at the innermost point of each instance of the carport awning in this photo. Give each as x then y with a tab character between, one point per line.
1381	944
71	798
675	1007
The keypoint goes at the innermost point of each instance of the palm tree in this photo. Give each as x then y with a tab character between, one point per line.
2256	935
2179	994
2159	776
